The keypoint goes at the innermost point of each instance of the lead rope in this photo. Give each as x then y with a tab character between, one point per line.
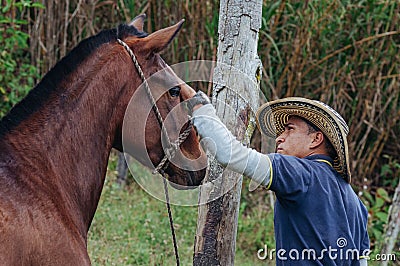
171	222
169	152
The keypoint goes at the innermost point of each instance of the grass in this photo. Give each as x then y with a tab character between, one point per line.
132	228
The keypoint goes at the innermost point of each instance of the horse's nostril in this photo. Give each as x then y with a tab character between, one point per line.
197	177
192	179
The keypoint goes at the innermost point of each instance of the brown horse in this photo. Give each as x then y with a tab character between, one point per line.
55	144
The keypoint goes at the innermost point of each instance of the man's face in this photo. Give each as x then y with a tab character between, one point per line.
295	140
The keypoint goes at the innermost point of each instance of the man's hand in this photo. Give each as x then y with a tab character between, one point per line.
199	99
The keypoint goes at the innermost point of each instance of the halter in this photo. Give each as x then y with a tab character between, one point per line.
172	146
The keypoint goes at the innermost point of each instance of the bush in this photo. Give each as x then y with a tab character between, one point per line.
18	75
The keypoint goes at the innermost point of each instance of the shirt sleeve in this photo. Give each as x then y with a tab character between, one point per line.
291	177
227	150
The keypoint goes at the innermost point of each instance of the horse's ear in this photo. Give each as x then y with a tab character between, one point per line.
138	22
160	39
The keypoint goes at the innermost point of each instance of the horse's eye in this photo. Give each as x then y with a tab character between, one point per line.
174	92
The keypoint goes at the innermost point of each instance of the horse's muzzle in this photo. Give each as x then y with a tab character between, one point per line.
184	179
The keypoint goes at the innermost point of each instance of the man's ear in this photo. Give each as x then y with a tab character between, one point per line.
317	140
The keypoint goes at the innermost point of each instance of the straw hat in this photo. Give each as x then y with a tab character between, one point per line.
272	116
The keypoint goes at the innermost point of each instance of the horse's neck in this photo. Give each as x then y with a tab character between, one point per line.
72	135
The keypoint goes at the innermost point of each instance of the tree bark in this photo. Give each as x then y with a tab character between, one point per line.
235	97
393	226
122	169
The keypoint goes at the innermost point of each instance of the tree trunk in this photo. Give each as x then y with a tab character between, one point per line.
235	97
122	169
393	226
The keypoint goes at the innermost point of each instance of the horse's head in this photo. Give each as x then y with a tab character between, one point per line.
142	135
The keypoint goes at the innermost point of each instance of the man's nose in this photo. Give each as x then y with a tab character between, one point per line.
280	139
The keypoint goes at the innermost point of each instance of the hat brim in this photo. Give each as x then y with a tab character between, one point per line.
272	117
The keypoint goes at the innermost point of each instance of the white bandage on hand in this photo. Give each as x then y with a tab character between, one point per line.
227	150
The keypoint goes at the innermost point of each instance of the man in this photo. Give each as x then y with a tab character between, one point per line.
318	219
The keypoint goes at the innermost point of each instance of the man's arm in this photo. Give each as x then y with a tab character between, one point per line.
227	150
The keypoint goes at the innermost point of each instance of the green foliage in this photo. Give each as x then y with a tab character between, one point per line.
378	207
390	172
17	74
378	202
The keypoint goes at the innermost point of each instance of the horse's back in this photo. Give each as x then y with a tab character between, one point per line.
31	227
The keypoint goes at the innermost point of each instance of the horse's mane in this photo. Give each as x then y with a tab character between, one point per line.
50	82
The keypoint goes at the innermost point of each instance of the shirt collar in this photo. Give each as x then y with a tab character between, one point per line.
316	157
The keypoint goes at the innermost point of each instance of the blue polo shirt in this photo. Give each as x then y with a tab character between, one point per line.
319	220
